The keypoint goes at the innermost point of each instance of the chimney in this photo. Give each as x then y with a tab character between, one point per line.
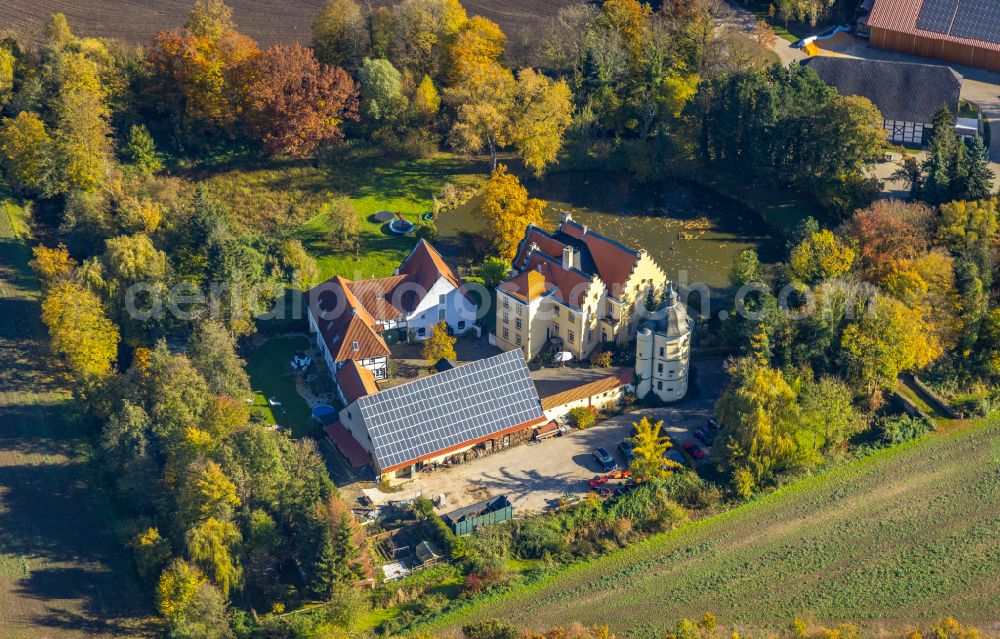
567	258
584	232
533	247
567	216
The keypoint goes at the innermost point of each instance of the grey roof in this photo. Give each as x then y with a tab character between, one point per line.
671	319
448	409
901	90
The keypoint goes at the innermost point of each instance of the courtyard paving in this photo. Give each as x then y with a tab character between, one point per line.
535	476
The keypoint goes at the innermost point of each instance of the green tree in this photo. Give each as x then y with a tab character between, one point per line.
343	228
438	345
978	175
210	19
140	150
494	270
381	90
542	111
213	546
28	154
83	145
945	163
177	590
128	454
746	269
649	445
300	267
581	417
339	34
206	493
212	351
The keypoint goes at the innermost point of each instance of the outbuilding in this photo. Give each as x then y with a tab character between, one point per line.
907	94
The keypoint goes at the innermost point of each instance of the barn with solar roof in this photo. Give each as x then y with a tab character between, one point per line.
477	408
961	31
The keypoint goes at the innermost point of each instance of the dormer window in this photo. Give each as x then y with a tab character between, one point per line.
355	346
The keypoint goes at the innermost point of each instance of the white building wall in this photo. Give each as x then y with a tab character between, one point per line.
430	311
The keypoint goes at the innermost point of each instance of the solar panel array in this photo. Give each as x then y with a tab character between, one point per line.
437	412
978	20
936	15
972	19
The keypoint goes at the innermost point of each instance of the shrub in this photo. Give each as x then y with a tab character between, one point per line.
600	359
581	417
902	428
490	629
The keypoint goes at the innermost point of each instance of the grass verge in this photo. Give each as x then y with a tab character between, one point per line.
907	535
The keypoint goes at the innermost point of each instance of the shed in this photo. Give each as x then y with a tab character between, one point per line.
427	553
485	513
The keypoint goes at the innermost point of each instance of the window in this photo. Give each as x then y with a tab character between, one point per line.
421	331
519	309
590	335
517	324
659	385
556	307
572	337
506	333
506	303
461	325
572	317
506	317
441	299
662	351
555	328
659	368
517	340
355	346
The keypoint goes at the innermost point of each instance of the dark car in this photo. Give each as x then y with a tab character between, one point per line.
675	456
713	423
694	450
704	436
605	459
626	448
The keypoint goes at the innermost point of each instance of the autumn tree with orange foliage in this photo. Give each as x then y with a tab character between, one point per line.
294	104
196	73
884	234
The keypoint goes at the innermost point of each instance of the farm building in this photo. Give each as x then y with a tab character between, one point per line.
906	93
485	513
596	394
474	409
351	319
961	31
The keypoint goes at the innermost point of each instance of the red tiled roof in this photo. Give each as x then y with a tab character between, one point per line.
355	381
612	261
344	322
901	16
377	296
546	244
567	286
347	445
612	382
423	266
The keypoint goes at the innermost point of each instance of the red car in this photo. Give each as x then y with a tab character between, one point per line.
694	450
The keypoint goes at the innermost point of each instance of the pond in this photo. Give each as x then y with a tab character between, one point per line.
685	227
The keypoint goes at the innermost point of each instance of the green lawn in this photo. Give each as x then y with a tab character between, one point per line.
271	378
906	536
275	198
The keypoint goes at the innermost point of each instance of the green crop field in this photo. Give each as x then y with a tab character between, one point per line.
907	535
62	573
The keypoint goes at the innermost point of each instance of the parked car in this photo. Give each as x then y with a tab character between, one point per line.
626	449
675	456
605	459
704	436
713	423
694	450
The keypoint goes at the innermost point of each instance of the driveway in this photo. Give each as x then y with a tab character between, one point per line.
534	476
